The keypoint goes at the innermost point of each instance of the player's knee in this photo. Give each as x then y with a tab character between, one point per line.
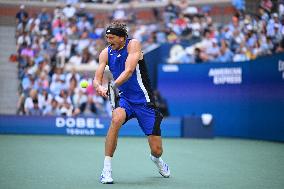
117	119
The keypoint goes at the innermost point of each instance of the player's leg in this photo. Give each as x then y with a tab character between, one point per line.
149	119
118	118
155	143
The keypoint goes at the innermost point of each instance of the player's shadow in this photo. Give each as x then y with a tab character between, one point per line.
142	182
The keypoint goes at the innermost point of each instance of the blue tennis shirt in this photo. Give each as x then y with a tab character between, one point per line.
137	88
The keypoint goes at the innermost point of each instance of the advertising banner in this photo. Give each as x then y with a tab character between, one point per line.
90	126
246	99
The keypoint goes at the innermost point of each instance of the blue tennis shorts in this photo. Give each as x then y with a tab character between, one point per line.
149	117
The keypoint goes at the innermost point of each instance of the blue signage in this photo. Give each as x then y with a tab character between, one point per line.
246	99
92	126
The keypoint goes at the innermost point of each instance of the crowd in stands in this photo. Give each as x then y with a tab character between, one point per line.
246	37
48	41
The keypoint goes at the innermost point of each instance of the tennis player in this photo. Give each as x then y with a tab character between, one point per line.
126	63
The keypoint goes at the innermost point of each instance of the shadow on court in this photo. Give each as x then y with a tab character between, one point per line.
149	181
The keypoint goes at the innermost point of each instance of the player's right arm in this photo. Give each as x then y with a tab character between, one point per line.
103	58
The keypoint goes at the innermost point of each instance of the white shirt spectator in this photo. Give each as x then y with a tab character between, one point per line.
82	44
69	11
66	110
213	50
119	14
61	100
24	38
239	58
57	77
76	60
79	97
196	27
64	50
139	32
58	12
57	86
99	31
44	101
205	43
70	75
281	10
84	24
271	25
30	105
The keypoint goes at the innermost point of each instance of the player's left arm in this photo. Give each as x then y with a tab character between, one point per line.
134	54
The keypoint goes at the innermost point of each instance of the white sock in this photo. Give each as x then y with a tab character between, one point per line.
107	163
156	160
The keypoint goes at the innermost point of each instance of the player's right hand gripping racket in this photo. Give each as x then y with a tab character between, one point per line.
113	95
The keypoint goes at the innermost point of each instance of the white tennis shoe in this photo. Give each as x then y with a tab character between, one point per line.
163	168
106	177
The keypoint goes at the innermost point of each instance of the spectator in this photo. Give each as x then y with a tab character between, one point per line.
21	15
27	52
171	11
81	13
240	54
73	75
267	5
76	59
226	54
51	52
80	100
28	83
83	42
45	20
264	16
43	82
63	52
119	14
195	27
84	25
23	40
86	56
213	50
44	98
35	110
52	108
57	82
23	25
66	109
69	11
58	12
30	102
280	47
281	8
200	56
46	42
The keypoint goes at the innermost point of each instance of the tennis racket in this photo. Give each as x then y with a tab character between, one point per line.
113	95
